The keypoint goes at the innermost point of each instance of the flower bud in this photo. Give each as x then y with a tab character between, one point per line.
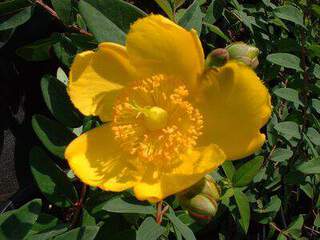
245	53
201	199
217	58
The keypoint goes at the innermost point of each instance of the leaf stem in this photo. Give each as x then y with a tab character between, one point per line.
78	206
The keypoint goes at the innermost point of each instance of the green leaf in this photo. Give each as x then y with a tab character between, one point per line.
290	13
54	136
214	11
310	167
63	9
58	101
80	233
51	180
217	31
87	219
38	50
314	136
150	230
180	226
295	227
317	221
316	104
109	20
13	5
313	50
244	174
281	154
166	6
16	20
316	10
49	233
285	60
119	205
288	128
288	94
228	169
192	18
65	50
62	76
244	208
44	222
5	36
16	224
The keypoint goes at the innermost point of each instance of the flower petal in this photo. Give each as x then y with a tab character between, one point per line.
97	77
157	45
97	160
235	105
158	183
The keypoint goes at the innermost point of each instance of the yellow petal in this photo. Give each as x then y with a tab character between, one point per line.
96	78
157	45
235	105
159	182
97	160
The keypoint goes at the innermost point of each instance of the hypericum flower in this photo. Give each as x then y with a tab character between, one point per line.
169	121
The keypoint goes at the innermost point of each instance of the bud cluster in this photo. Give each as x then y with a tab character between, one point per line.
236	51
201	200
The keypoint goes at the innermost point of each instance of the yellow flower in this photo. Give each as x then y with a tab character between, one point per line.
169	121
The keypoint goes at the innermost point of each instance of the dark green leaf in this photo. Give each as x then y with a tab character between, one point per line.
180	226
166	7
288	94
56	97
54	136
13	5
15	20
150	230
290	13
48	234
64	10
316	104
192	18
37	51
244	208
290	129
119	205
65	50
109	20
310	167
81	233
314	136
244	175
217	31
51	180
44	222
214	11
16	224
285	60
228	169
281	154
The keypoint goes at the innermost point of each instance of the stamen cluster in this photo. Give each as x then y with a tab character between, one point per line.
182	127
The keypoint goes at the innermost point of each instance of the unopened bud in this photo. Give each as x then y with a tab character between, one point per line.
217	58
201	200
245	53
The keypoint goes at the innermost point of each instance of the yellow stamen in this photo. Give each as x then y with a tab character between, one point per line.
153	120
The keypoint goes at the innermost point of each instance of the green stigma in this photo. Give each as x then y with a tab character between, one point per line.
155	118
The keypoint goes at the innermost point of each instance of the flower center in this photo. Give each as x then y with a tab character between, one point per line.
155	118
153	121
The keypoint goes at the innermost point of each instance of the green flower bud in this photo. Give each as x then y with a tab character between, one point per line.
217	58
201	199
245	53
